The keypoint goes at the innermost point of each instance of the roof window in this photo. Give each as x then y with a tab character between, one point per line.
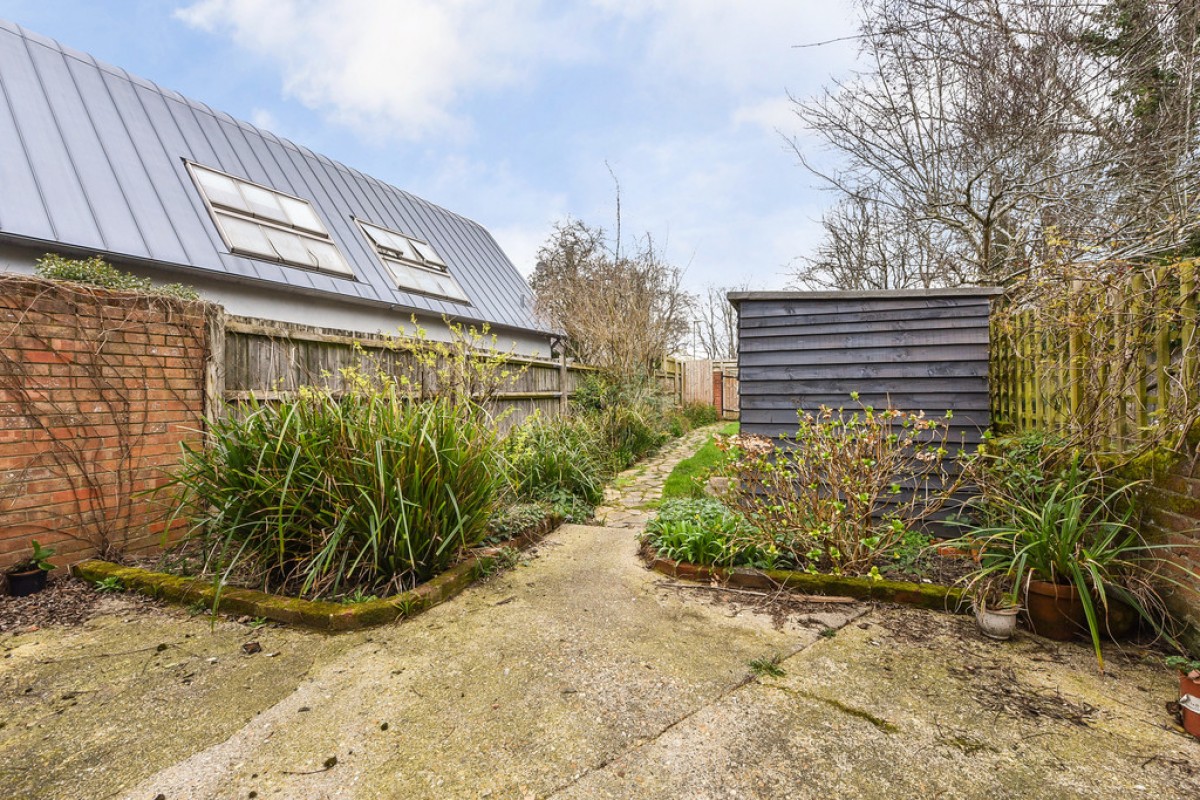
413	264
262	223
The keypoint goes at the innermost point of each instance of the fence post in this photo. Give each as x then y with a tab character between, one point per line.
1139	389
1187	292
1121	309
564	394
214	362
1024	359
1162	345
1075	346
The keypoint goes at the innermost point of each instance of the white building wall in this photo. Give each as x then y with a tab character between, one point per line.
284	304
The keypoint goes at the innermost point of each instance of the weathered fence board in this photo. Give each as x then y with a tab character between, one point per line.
1113	361
271	360
697	382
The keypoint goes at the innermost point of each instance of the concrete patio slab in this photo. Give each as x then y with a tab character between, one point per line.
582	674
911	703
515	689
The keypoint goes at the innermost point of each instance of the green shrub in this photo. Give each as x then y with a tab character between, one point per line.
913	552
699	414
708	533
677	425
631	418
628	433
95	271
1024	468
848	492
510	520
318	494
1079	532
570	507
546	457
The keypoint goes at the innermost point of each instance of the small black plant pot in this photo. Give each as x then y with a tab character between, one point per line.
21	584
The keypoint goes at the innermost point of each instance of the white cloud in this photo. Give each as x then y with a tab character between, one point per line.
405	68
737	45
521	243
388	67
692	95
262	118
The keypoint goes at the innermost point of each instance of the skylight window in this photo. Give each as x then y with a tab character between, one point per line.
262	223
414	264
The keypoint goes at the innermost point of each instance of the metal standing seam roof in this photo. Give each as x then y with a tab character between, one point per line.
736	298
93	159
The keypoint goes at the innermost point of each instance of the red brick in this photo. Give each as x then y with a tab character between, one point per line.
111	384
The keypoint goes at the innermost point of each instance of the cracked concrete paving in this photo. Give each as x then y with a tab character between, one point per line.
911	703
581	674
517	688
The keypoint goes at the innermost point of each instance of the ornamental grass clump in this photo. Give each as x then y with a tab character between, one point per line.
1067	525
318	495
546	458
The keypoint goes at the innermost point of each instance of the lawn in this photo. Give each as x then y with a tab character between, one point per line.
687	479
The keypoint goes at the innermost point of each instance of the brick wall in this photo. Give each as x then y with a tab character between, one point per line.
718	391
98	391
1175	519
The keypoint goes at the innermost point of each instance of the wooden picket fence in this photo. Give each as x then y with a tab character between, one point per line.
1103	354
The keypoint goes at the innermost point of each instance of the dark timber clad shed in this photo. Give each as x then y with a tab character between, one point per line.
919	350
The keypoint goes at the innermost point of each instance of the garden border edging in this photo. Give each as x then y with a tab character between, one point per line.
933	596
317	614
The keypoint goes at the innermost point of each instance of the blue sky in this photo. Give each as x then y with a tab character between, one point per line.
511	112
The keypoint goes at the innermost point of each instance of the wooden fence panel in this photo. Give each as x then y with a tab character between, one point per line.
271	360
730	397
697	382
1111	361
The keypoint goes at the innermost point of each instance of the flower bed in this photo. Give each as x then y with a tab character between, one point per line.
318	614
922	595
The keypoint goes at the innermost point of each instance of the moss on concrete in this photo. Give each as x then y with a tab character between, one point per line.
845	708
317	614
922	595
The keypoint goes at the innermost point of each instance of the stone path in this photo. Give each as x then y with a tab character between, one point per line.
581	674
627	500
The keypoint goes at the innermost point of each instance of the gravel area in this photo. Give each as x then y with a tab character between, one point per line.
65	601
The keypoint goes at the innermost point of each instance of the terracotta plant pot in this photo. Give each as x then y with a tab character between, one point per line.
949	551
1055	611
1189	706
1189	685
21	584
997	623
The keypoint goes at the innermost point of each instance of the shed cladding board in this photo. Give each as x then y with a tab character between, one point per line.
916	351
93	159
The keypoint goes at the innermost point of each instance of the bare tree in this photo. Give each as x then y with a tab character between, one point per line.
622	313
870	245
984	136
716	323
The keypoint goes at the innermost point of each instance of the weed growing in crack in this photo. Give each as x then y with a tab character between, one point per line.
768	666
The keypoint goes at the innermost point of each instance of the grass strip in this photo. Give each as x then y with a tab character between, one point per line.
686	480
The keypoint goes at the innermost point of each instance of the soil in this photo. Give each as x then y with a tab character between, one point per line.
935	568
65	601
